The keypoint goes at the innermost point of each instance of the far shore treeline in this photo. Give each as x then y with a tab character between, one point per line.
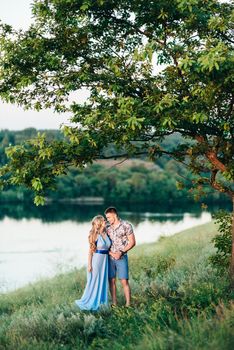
131	181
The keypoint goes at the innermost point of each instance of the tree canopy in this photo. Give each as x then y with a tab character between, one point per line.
152	68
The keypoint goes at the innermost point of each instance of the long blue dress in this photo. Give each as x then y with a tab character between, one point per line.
96	290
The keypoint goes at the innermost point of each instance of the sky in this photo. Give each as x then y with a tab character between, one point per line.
18	14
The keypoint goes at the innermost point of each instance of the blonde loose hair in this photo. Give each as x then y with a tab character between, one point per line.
95	230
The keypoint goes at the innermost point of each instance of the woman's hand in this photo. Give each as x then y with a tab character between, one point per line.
111	254
115	256
89	268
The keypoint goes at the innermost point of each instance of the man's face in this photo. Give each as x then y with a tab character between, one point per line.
111	217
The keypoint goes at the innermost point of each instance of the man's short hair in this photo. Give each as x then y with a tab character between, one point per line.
111	210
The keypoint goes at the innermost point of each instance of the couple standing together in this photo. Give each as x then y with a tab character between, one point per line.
108	246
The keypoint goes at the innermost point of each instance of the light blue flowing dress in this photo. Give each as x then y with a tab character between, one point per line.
96	290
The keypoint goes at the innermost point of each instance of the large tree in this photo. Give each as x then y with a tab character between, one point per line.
152	68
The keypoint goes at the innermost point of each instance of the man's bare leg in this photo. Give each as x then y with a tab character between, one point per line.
112	284
127	291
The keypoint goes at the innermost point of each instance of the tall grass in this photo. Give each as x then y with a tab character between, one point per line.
178	302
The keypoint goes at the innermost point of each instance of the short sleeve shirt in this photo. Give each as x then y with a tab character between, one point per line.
119	235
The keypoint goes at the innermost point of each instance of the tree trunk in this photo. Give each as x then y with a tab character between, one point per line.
232	257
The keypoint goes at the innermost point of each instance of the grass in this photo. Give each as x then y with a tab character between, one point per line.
179	302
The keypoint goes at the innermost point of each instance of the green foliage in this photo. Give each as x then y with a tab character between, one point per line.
132	182
36	184
39	200
222	242
152	70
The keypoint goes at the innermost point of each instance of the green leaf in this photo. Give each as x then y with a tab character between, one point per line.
36	184
39	200
85	5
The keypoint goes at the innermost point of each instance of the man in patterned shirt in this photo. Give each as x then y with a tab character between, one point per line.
123	239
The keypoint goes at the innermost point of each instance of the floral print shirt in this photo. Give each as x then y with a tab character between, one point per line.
119	235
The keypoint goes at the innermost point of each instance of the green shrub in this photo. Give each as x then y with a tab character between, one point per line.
222	242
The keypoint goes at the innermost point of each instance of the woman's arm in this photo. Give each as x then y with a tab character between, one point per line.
90	256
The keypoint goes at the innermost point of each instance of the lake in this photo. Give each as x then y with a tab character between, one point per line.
41	242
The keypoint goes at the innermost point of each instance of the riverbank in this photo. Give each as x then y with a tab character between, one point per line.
179	302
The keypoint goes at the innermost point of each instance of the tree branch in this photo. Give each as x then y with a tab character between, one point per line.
212	156
217	186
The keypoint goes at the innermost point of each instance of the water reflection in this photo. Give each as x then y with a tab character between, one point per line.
58	212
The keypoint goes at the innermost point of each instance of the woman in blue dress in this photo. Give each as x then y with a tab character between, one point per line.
96	290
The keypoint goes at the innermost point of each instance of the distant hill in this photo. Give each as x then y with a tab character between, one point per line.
126	180
128	163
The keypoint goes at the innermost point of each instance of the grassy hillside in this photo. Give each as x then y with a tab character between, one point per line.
179	302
